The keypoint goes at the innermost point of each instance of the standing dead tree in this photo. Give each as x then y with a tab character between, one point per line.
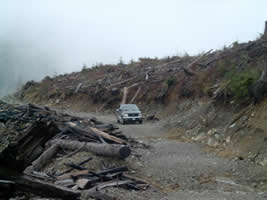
125	93
265	31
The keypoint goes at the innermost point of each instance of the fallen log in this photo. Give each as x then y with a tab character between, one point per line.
74	166
107	150
111	184
44	189
20	149
113	170
198	59
66	182
94	133
73	174
121	82
107	136
100	174
38	164
79	164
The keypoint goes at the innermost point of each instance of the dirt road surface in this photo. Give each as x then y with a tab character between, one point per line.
184	171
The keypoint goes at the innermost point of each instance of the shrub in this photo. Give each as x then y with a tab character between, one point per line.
240	82
84	68
171	81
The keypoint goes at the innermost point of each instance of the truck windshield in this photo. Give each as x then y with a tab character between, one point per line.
129	107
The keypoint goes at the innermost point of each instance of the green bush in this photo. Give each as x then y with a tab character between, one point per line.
239	82
84	68
171	81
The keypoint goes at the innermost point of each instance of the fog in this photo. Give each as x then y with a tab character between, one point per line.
49	37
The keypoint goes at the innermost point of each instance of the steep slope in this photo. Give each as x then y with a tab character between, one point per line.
216	98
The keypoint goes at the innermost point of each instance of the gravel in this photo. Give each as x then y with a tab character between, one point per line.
179	170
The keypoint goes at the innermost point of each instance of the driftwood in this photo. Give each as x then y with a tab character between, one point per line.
107	150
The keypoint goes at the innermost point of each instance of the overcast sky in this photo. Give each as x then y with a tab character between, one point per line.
39	37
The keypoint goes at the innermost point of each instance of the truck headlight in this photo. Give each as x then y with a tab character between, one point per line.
125	115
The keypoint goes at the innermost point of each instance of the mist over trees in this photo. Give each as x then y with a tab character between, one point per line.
21	62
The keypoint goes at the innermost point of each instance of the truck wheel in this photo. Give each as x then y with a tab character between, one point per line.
141	121
123	122
118	121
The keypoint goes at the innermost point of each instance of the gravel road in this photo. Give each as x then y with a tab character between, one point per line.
184	171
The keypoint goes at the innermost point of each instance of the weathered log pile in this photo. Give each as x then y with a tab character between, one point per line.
31	136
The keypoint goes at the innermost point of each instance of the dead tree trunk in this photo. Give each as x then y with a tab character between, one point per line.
38	164
265	31
124	98
107	150
135	95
